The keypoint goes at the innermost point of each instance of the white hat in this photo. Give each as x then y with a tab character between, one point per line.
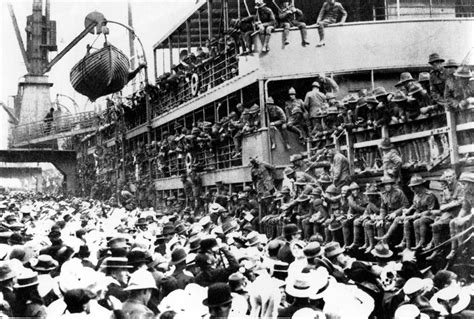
451	293
320	280
141	279
300	286
178	300
306	312
409	311
413	285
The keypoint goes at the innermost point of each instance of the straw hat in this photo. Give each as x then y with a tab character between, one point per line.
44	263
300	286
141	279
459	297
27	278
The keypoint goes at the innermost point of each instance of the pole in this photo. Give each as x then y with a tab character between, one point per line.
398	9
131	38
209	19
18	37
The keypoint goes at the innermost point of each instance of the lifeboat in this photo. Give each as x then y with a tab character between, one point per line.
100	73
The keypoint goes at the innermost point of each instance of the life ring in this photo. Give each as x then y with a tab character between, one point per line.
189	162
194	84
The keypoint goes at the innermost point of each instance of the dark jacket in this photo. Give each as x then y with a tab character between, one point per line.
209	276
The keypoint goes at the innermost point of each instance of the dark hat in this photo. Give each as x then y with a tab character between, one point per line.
168	229
324	179
451	63
194	244
77	298
434	57
332	249
386	144
16	239
178	255
416	180
84	251
335	225
332	189
404	78
273	247
180	229
218	294
54	235
141	222
44	263
6	272
380	91
208	243
312	250
137	257
399	96
382	250
290	229
27	278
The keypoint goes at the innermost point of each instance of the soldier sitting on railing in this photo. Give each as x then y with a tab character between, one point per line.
451	93
290	16
329	15
277	121
421	97
236	126
242	32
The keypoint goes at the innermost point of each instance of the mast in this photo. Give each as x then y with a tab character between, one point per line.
131	38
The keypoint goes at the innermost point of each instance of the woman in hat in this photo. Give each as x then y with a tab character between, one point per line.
28	302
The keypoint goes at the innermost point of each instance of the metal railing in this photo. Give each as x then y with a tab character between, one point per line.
58	126
408	9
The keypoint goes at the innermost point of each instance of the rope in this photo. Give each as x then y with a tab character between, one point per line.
448	241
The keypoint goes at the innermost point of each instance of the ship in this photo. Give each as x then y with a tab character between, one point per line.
202	75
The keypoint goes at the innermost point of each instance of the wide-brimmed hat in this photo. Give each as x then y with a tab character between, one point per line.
321	282
361	102
416	180
386	144
218	294
252	239
354	186
229	226
434	57
335	225
399	96
379	92
333	190
324	179
463	72
141	222
288	171
316	191
332	249
137	257
387	180
382	250
290	229
27	278
194	244
409	311
299	286
44	263
312	250
115	262
451	63
303	198
413	285
6	271
178	255
141	279
423	77
404	78
459	297
168	229
254	109
208	243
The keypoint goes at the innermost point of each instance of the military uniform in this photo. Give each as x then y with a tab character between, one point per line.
277	120
392	164
290	16
266	25
340	170
357	206
393	202
328	15
437	84
262	176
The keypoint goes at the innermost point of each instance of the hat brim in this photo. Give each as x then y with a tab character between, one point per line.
337	227
436	60
298	293
139	288
177	261
336	252
462	304
463	75
40	269
376	254
205	302
416	184
17	286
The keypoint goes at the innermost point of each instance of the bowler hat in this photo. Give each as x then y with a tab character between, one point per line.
451	63
194	244
137	257
290	229
404	78
416	180
27	278
312	250
178	255
332	249
218	294
434	57
141	222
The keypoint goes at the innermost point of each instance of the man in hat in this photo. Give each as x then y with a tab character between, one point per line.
329	14
300	288
141	286
262	176
314	103
437	77
465	216
394	201
290	17
291	232
178	259
266	23
391	160
7	281
293	102
301	177
219	300
451	93
277	119
116	271
418	216
188	190
355	218
216	263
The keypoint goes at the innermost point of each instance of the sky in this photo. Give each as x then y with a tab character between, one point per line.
151	19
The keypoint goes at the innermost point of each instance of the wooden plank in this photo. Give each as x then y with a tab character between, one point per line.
465	127
452	137
463	149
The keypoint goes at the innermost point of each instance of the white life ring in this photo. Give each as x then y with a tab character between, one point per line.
189	161
194	84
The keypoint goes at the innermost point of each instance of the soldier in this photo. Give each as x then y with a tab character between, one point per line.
262	176
290	16
314	103
332	198
329	15
245	27
339	168
372	213
253	123
424	80
464	218
304	215
277	119
357	205
451	202
302	177
392	162
293	102
422	98
188	190
394	201
450	96
437	77
406	80
419	215
297	124
327	84
266	23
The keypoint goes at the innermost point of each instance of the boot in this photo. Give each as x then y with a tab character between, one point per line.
366	241
416	227
424	229
357	237
346	234
285	36
304	36
370	235
434	242
265	43
407	236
